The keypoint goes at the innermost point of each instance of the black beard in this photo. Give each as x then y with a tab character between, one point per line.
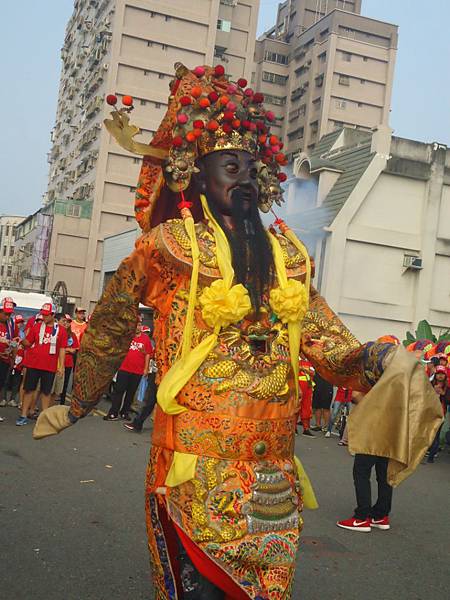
251	252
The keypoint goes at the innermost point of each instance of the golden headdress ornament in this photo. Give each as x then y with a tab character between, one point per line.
206	113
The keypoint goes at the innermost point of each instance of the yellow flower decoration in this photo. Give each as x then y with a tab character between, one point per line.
222	305
290	303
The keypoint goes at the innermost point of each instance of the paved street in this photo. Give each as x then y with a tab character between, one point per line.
72	522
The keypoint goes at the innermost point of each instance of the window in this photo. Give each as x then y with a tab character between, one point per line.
161	75
73	210
281	59
163	46
316	103
149	43
323	57
145	73
277	100
360	104
297	134
274	78
136	160
157	104
338	124
143	102
4	250
11	251
324	32
167	18
314	127
9	271
362	81
224	25
341	104
365	58
301	70
302	110
344	80
7	230
319	80
347	57
2	271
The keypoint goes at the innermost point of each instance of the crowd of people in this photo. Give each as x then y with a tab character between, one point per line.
38	357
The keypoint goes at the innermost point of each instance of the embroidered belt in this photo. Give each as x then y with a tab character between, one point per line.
238	438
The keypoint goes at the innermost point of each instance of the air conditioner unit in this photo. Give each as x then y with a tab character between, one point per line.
105	66
412	262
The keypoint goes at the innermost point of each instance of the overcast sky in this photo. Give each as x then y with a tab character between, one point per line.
30	68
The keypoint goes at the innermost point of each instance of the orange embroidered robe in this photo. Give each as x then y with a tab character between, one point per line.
243	506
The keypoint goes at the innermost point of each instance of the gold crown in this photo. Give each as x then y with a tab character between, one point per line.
214	141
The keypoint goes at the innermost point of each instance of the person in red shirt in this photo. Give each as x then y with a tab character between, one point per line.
73	345
306	384
6	336
343	396
17	357
46	343
134	366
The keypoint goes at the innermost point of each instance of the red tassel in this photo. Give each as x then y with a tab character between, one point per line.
184	206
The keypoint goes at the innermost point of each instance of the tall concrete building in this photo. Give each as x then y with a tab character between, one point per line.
7	243
324	66
123	47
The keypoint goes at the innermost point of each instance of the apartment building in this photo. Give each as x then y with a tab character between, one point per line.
324	66
7	242
123	47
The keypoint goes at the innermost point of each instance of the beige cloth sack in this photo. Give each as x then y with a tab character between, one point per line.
398	418
51	421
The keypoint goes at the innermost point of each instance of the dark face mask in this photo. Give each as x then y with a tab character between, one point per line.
229	181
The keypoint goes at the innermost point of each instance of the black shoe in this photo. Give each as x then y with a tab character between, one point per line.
110	418
125	416
132	427
307	433
430	459
316	428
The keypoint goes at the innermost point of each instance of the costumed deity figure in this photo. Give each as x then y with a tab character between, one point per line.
233	307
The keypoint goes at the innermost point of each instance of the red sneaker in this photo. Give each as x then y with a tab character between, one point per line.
380	523
355	524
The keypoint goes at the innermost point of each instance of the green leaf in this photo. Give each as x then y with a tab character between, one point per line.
444	337
424	331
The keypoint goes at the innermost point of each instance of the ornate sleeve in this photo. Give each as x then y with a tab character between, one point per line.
335	353
111	329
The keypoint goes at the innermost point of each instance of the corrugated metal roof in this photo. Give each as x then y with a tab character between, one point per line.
352	161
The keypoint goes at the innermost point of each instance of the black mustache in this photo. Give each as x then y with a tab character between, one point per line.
239	194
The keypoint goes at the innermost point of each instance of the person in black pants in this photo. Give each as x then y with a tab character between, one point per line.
367	516
134	366
148	405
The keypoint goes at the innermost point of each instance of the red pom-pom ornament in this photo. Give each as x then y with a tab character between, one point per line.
198	124
235	124
212	126
248	92
190	137
219	70
242	83
228	115
111	99
258	98
226	128
185	101
282	177
182	118
213	96
199	71
127	101
177	141
270	116
204	102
